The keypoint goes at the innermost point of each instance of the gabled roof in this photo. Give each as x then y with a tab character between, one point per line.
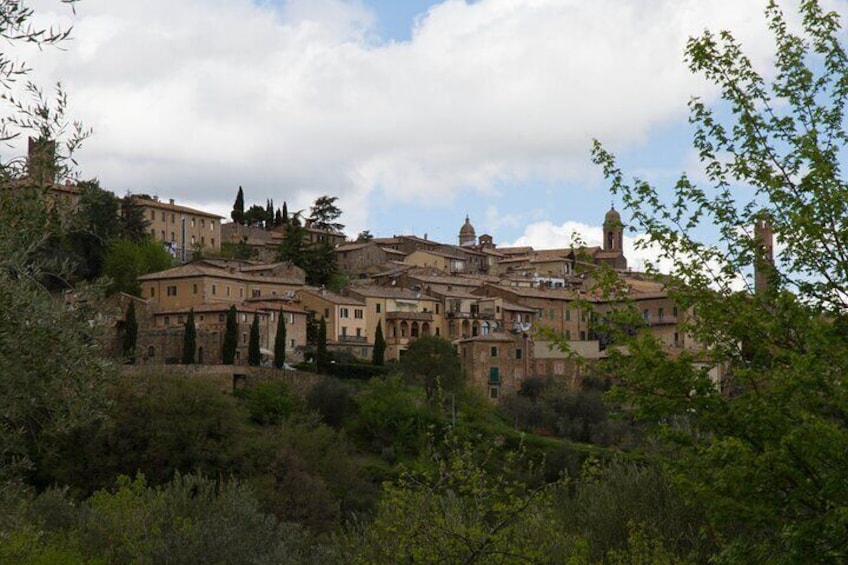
144	202
389	292
191	270
332	297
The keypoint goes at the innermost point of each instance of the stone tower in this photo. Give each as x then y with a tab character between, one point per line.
764	261
613	232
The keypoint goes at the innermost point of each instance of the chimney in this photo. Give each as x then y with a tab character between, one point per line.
171	201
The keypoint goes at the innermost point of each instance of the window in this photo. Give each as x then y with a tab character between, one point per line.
152	232
358	332
192	240
152	292
244	337
552	314
582	336
493	393
167	320
344	331
214	289
676	338
163	234
674	311
194	288
173	218
291	318
357	313
228	290
568	335
494	351
212	228
202	240
244	317
192	222
378	307
173	237
646	315
438	332
567	315
201	317
153	214
213	242
343	313
151	351
172	290
222	317
494	375
518	353
540	314
292	342
660	313
241	292
326	312
437	308
202	223
180	320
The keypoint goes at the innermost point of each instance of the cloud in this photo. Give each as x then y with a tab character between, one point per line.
192	98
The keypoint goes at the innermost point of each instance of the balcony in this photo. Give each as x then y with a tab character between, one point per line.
470	315
353	339
410	316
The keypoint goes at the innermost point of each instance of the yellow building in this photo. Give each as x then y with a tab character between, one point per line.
347	327
196	283
404	315
183	229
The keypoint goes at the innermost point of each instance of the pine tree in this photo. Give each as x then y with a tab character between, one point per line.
278	218
321	356
189	339
254	356
379	353
280	342
238	208
285	213
130	334
228	353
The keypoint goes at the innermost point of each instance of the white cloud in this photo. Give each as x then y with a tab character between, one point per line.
192	98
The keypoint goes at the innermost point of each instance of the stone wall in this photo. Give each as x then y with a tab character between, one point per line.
228	378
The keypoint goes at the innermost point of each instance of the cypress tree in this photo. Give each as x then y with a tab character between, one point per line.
254	357
379	353
280	342
321	359
285	213
189	339
238	208
228	353
130	334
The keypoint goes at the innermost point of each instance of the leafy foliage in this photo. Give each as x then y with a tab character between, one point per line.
128	259
763	448
432	362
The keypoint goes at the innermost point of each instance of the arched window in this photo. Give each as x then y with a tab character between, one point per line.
151	351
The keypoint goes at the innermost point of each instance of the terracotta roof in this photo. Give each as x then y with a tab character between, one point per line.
389	292
498	337
144	202
198	270
332	297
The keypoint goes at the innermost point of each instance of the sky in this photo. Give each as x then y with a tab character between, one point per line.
413	113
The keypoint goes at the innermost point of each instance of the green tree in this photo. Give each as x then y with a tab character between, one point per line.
189	339
280	341
364	236
228	351
432	362
293	247
130	334
254	357
134	224
238	208
324	213
127	260
322	357
763	452
379	352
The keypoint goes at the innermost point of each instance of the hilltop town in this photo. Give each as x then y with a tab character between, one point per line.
510	312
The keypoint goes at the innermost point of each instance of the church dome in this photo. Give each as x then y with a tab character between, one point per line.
467	233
